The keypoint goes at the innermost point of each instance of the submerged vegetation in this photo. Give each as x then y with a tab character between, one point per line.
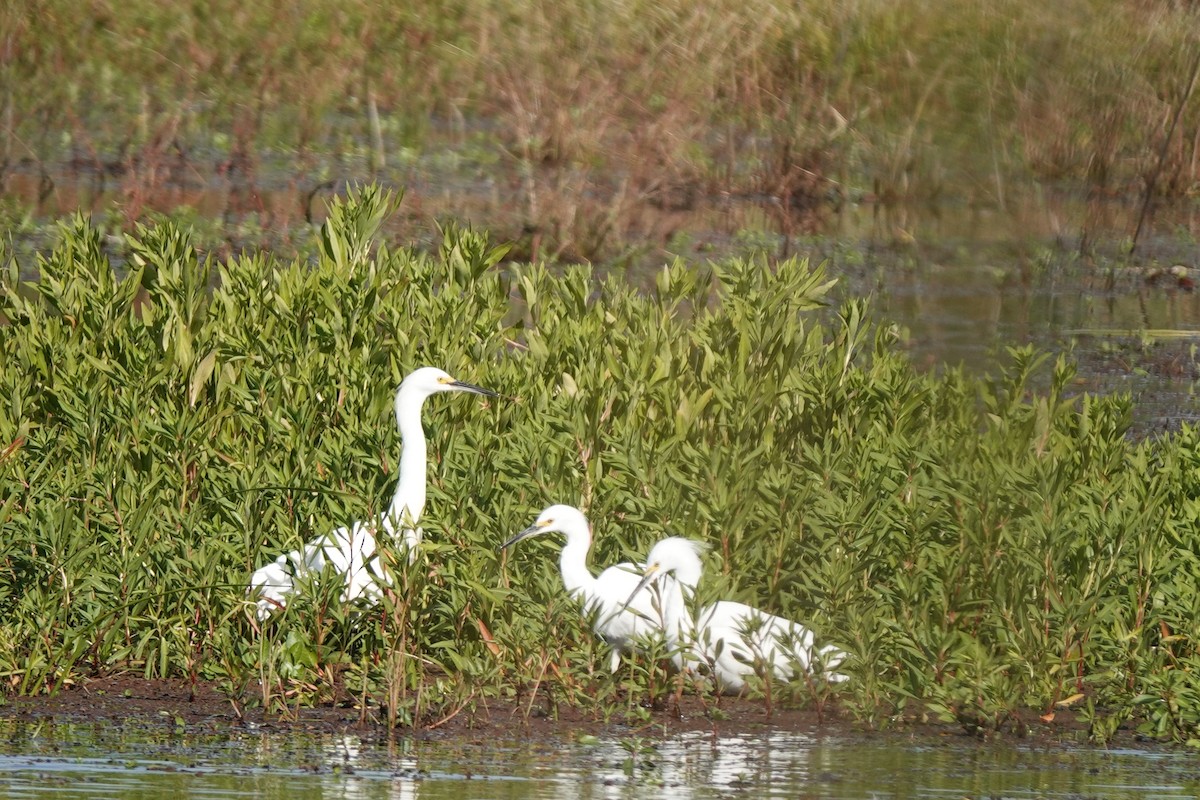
981	550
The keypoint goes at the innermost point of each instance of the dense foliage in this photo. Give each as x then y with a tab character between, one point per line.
168	424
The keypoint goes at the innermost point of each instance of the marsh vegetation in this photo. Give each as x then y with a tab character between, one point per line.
981	548
583	130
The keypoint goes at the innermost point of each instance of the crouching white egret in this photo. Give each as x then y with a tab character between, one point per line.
351	551
733	640
603	598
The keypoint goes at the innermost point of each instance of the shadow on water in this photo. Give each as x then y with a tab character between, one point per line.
95	760
962	280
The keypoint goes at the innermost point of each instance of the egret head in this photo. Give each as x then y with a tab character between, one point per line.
673	555
421	383
558	518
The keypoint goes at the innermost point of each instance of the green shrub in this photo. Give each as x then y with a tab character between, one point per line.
170	424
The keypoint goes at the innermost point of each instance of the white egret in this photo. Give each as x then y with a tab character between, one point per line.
732	639
351	551
603	598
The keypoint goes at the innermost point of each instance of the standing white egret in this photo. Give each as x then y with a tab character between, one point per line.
351	551
603	598
731	639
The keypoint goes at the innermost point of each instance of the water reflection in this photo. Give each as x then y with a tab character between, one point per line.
776	758
98	761
356	772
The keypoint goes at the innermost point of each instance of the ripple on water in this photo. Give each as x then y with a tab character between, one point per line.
84	760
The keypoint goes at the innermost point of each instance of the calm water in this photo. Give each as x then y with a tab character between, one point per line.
87	760
966	284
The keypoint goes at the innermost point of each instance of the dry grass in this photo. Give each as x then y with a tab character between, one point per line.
604	109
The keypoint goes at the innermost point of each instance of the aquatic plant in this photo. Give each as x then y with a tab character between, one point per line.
982	550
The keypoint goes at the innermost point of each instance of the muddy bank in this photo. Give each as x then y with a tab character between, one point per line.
176	705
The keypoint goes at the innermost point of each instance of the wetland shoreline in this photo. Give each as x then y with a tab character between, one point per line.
128	700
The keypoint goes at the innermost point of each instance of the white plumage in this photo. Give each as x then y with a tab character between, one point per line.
603	598
351	551
732	640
